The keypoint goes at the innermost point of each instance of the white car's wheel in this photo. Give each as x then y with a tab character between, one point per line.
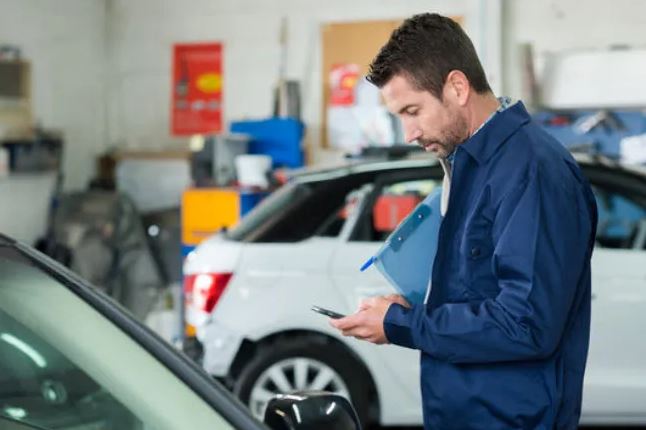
303	364
292	375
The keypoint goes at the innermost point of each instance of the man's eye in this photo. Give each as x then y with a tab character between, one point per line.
412	112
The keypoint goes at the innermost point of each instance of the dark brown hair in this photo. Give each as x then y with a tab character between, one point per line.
425	48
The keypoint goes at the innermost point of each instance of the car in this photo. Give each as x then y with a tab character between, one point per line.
248	291
72	358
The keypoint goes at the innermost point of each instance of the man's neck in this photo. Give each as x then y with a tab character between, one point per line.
482	107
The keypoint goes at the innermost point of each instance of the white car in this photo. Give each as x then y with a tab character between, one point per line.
71	358
249	291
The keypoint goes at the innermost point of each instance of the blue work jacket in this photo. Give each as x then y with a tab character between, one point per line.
504	334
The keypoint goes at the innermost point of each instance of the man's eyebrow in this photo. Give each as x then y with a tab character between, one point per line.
405	108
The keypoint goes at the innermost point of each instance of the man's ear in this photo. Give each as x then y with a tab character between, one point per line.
457	86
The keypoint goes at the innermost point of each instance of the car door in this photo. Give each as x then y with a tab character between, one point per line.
390	199
615	381
70	358
292	258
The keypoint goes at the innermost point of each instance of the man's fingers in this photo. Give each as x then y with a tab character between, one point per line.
352	325
367	303
346	323
358	333
351	333
396	298
402	301
365	325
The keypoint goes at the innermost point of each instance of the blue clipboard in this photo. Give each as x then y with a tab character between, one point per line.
406	257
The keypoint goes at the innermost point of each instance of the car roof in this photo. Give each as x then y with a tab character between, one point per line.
365	165
6	240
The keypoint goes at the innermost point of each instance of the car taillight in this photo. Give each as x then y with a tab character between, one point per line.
202	291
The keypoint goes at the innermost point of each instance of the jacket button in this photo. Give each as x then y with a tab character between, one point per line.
475	252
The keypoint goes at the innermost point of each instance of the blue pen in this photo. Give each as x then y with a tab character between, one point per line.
367	264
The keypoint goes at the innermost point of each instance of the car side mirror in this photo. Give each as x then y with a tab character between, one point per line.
311	411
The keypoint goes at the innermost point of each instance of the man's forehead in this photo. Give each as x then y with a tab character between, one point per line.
396	85
399	92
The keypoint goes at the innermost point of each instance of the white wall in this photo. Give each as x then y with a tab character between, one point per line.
142	33
65	42
562	25
101	68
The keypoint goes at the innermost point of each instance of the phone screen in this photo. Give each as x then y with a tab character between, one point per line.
327	312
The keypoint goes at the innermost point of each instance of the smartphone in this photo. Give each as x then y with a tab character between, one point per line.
327	312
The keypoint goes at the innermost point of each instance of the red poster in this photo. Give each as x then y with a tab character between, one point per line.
197	89
343	80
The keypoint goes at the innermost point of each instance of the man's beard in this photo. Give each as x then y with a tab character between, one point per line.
451	137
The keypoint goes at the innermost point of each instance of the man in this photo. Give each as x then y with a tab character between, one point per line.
504	333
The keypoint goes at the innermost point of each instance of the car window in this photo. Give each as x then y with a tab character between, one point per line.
622	219
393	202
265	212
337	219
63	365
299	211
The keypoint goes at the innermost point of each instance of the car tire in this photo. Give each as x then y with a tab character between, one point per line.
322	356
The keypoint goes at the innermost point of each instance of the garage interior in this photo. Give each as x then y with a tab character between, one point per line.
156	147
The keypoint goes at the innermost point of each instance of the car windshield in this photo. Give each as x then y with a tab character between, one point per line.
64	365
303	209
262	215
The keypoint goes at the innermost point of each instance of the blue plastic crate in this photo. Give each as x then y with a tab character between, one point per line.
279	138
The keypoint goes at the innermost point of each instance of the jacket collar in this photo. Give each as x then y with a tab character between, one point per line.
482	145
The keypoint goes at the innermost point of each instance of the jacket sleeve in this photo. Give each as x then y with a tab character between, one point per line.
542	246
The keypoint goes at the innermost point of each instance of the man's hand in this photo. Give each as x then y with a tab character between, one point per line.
368	322
392	298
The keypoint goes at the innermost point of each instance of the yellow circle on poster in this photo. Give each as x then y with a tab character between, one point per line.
349	81
209	83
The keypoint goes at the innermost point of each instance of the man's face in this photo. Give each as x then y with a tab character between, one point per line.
437	126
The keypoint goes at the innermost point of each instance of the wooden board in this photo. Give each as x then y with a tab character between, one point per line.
15	113
350	42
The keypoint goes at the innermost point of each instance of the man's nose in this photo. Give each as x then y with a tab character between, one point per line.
411	134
